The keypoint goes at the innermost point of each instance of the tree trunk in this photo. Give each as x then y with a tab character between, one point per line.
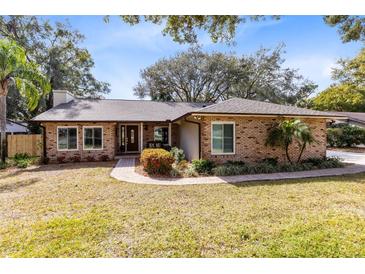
3	127
301	152
287	153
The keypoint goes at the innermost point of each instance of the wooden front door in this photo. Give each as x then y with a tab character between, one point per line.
132	139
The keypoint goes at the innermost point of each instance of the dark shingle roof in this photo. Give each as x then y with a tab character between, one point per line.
117	110
244	106
140	110
358	117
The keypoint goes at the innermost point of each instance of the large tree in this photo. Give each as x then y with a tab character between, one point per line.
16	70
350	27
57	48
197	76
184	28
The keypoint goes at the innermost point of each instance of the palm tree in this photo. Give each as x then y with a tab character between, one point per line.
16	69
286	132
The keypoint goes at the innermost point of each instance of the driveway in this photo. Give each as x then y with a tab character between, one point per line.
348	157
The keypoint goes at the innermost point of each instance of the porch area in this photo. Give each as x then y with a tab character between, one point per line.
132	138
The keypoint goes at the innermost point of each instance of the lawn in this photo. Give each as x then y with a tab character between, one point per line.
77	210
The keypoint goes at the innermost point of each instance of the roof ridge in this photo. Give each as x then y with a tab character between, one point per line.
138	100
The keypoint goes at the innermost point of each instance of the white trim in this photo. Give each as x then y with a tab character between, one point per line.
169	133
83	138
141	137
77	138
234	137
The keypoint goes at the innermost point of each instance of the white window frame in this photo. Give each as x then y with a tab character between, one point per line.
234	137
83	137
168	135
77	138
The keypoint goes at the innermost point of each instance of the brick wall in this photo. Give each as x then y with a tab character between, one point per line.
109	142
251	134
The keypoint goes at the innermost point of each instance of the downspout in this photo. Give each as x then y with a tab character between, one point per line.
44	143
199	133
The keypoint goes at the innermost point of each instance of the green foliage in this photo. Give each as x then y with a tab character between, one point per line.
57	48
16	69
177	154
230	169
283	134
183	28
23	160
3	165
156	161
350	27
203	166
343	97
345	135
197	76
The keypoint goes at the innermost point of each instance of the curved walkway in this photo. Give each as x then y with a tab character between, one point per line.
125	171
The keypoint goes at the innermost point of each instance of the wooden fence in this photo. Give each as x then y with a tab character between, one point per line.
31	144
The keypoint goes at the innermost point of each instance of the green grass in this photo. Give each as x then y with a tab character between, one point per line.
77	210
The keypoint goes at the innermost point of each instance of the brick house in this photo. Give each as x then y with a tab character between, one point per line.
235	129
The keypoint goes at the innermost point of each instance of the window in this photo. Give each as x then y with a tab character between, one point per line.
161	134
93	138
223	138
67	138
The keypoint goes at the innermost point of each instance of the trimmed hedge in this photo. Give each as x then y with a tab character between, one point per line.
235	168
157	161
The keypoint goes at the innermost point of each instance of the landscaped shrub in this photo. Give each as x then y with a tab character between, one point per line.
90	158
156	161
104	158
229	168
76	159
271	161
3	165
177	154
203	166
344	135
60	159
182	165
23	160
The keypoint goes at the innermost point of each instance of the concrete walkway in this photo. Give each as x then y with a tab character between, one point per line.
125	171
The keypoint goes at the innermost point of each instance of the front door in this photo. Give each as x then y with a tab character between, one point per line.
131	139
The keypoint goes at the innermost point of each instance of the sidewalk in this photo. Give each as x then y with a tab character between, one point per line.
125	171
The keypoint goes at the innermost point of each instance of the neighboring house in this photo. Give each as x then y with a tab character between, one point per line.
351	118
234	129
13	127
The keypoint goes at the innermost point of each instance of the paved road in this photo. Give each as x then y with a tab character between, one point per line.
348	157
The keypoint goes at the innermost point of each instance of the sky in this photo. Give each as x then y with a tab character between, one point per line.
121	51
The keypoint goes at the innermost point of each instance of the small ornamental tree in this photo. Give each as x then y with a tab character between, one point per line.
284	134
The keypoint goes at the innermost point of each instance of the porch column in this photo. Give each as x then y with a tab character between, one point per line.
141	143
169	134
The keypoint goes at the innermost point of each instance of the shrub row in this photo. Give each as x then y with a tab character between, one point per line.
230	169
344	135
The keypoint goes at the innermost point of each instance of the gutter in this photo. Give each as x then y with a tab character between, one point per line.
199	133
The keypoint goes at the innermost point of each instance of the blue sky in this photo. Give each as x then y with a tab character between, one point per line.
121	51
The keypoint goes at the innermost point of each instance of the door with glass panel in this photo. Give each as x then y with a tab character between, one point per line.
131	138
